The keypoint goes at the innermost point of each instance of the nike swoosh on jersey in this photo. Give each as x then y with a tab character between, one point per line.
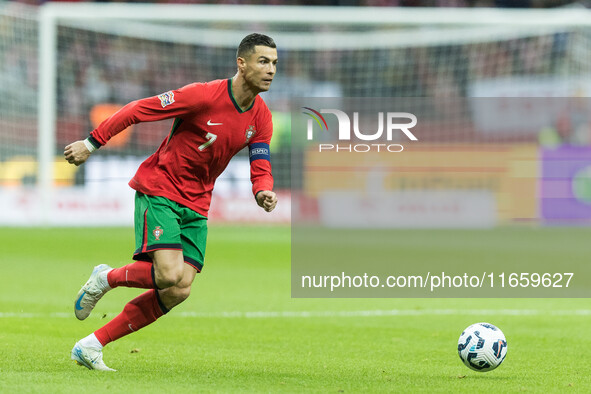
78	306
209	123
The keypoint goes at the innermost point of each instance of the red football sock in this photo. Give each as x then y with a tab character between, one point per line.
138	313
138	274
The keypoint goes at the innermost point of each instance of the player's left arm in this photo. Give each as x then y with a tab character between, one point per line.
267	200
260	164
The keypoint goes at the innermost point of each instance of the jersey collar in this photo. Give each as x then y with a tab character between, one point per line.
234	100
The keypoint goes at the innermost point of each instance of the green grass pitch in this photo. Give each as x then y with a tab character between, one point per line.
241	332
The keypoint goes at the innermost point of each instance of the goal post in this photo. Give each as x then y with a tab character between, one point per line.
47	110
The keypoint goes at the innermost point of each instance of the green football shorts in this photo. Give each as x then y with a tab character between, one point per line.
164	224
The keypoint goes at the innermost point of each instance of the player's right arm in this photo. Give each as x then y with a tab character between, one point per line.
172	104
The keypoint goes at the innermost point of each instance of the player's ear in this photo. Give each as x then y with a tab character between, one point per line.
241	63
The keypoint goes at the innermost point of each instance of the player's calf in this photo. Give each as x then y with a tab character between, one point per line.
138	274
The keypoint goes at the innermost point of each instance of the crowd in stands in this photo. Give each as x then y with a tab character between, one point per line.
96	67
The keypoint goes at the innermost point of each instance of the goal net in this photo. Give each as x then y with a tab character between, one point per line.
65	68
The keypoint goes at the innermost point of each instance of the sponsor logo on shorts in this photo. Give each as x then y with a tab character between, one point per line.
166	98
158	232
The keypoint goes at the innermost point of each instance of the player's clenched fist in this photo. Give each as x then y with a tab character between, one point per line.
267	200
76	153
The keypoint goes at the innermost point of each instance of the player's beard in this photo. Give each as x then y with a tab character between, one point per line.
265	85
259	86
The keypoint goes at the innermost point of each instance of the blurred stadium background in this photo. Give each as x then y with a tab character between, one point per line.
65	67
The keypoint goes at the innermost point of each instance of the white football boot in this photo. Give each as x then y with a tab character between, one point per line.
96	286
89	357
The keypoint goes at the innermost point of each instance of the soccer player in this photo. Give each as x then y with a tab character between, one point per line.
212	122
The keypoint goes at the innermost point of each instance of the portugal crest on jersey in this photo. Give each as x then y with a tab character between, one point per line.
158	233
249	133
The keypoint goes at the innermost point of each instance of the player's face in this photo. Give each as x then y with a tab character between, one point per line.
260	68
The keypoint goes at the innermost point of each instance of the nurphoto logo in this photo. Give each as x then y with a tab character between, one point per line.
396	124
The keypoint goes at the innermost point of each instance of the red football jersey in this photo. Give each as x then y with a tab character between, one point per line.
209	128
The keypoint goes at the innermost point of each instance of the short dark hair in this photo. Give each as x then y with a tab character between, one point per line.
248	43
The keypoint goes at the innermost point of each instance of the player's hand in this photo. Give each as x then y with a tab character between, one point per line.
267	200
76	153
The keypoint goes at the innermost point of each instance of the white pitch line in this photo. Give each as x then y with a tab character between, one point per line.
309	314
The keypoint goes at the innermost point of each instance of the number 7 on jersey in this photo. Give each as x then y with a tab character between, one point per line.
210	139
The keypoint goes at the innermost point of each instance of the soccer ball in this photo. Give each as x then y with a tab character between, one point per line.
482	347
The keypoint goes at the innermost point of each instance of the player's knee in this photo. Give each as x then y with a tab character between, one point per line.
168	278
